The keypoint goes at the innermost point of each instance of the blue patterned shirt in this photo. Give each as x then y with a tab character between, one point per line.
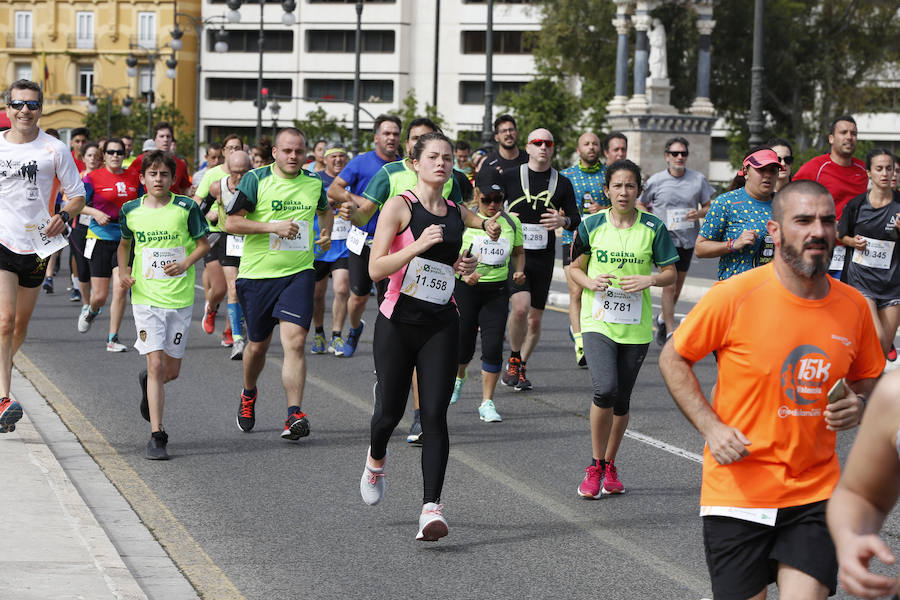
588	186
730	214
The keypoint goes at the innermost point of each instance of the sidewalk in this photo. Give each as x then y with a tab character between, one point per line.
53	541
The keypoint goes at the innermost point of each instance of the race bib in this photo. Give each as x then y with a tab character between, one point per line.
234	245
428	280
89	247
676	218
837	259
341	229
155	261
300	243
616	306
535	236
492	253
356	239
44	246
877	254
84	219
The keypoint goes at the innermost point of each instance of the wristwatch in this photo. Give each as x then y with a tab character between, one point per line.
64	216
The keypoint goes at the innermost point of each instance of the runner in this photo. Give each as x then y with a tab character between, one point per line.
588	177
107	190
870	228
168	235
769	463
164	139
317	164
81	270
417	245
544	202
735	226
36	166
508	156
273	209
612	260
223	191
679	197
333	264
214	157
483	297
786	157
79	137
349	187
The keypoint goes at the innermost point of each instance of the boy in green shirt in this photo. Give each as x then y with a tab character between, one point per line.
168	232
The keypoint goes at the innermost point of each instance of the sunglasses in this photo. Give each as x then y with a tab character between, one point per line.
116	152
676	153
539	143
493	199
788	160
20	104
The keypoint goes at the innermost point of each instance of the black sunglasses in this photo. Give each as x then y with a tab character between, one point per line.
20	104
683	153
116	152
788	160
492	199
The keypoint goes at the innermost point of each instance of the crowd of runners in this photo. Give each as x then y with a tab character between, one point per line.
453	244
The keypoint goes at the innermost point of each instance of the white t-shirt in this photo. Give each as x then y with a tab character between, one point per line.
30	177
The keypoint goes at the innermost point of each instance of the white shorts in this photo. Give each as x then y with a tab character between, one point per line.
163	329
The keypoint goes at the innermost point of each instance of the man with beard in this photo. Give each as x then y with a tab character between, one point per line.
508	155
785	386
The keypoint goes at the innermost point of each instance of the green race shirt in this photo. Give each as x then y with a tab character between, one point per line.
395	178
622	252
510	237
211	175
160	236
268	197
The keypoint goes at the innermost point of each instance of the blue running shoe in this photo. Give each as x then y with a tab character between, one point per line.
10	413
318	345
457	388
353	339
336	346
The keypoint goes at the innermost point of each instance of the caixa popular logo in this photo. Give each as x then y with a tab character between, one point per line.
804	374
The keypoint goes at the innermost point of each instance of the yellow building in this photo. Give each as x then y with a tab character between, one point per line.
80	46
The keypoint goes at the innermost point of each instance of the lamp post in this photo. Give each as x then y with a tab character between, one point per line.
756	76
487	128
110	96
275	107
152	55
356	82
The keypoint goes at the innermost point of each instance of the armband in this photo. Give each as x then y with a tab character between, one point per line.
731	245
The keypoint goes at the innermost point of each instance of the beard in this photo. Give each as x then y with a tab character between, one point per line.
816	266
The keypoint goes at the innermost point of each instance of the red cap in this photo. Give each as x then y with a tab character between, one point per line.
762	158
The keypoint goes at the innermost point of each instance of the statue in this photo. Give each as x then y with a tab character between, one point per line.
657	37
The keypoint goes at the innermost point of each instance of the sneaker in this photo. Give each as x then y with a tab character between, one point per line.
432	524
10	413
237	350
296	426
336	346
145	404
487	412
209	320
892	354
76	295
353	340
371	486
592	484
318	345
48	285
523	385
571	333
156	447
246	417
227	338
415	433
660	331
86	318
611	483
114	345
580	360
511	375
457	388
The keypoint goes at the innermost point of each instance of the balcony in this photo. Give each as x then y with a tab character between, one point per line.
16	41
76	42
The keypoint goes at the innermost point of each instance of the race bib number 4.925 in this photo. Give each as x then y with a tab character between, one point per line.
155	260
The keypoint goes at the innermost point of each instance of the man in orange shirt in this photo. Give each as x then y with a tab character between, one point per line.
784	334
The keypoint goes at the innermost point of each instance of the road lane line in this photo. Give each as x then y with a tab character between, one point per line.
552	505
206	577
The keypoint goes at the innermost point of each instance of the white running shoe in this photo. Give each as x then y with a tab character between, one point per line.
237	349
432	524
114	345
371	486
86	318
488	412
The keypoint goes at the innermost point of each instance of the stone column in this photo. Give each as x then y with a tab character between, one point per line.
705	24
641	20
622	24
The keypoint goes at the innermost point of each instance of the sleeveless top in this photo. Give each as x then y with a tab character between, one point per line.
421	291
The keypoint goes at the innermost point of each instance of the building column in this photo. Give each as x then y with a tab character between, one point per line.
622	25
705	25
641	21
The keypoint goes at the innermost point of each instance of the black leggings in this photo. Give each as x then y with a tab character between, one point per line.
614	369
432	350
484	305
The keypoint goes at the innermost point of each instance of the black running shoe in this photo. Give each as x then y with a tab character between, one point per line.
296	426
246	417
156	447
660	332
523	384
145	404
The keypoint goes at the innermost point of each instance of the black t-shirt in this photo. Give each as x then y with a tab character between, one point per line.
505	165
879	274
529	209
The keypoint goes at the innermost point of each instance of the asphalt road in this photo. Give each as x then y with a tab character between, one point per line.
284	520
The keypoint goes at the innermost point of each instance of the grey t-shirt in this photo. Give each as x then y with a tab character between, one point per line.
876	224
671	197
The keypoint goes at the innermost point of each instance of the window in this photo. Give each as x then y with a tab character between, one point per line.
221	88
85	80
146	30
145	79
23	70
247	40
372	90
505	42
719	149
23	29
84	30
472	92
344	40
351	1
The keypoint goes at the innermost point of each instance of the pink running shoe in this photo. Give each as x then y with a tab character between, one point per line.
611	483
592	483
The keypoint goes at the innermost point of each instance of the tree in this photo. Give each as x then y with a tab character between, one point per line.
409	110
319	125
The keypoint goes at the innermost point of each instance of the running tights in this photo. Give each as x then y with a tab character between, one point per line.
614	369
484	305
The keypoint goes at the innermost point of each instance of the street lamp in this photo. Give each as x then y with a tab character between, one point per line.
152	55
358	51
110	96
275	107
